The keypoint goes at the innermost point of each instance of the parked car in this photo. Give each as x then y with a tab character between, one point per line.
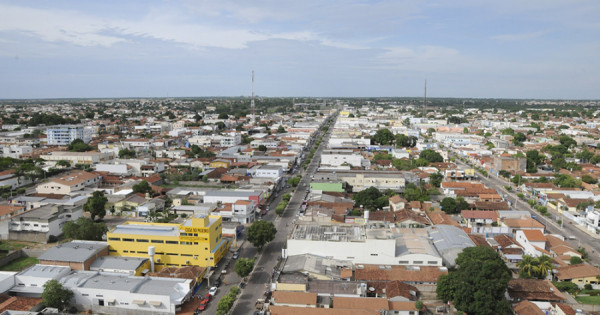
236	255
212	291
218	282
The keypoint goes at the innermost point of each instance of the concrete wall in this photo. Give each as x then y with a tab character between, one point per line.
38	237
10	257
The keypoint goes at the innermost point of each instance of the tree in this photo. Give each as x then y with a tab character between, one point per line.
586	178
406	141
55	295
294	181
280	129
126	153
223	116
262	148
243	266
260	233
517	180
95	205
567	141
84	229
575	260
461	204
544	265
479	283
63	163
528	266
78	145
142	187
448	205
436	179
371	199
286	197
419	305
504	173
383	137
431	156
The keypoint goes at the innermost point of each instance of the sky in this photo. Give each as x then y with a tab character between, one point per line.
548	49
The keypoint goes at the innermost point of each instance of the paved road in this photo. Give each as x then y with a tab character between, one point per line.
261	277
591	245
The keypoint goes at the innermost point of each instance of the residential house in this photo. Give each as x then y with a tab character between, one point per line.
580	274
533	242
479	217
39	224
68	183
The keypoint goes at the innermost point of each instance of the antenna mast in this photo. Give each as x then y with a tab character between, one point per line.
252	101
425	99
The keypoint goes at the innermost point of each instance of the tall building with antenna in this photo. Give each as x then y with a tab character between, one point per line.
252	101
425	99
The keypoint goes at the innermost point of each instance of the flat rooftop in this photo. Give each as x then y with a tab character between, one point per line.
142	285
117	263
334	233
75	251
146	229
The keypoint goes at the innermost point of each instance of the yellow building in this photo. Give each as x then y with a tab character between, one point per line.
220	163
580	274
195	242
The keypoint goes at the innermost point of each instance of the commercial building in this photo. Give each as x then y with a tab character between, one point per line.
65	134
91	157
510	163
360	245
196	242
78	255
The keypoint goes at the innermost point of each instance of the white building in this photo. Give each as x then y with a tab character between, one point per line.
68	183
268	171
117	169
532	241
339	157
243	211
90	157
364	246
65	134
592	221
39	224
16	151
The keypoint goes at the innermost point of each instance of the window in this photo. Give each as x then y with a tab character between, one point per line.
157	241
141	252
418	262
128	240
374	254
187	255
114	238
85	294
139	240
112	250
431	262
403	262
172	254
172	242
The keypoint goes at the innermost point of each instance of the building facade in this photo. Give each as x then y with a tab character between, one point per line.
63	135
196	242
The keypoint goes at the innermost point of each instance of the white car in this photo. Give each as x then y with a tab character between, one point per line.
212	291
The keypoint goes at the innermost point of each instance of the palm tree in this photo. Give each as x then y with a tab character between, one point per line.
544	264
527	265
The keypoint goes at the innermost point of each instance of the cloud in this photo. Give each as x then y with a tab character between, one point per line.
435	59
86	30
519	37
